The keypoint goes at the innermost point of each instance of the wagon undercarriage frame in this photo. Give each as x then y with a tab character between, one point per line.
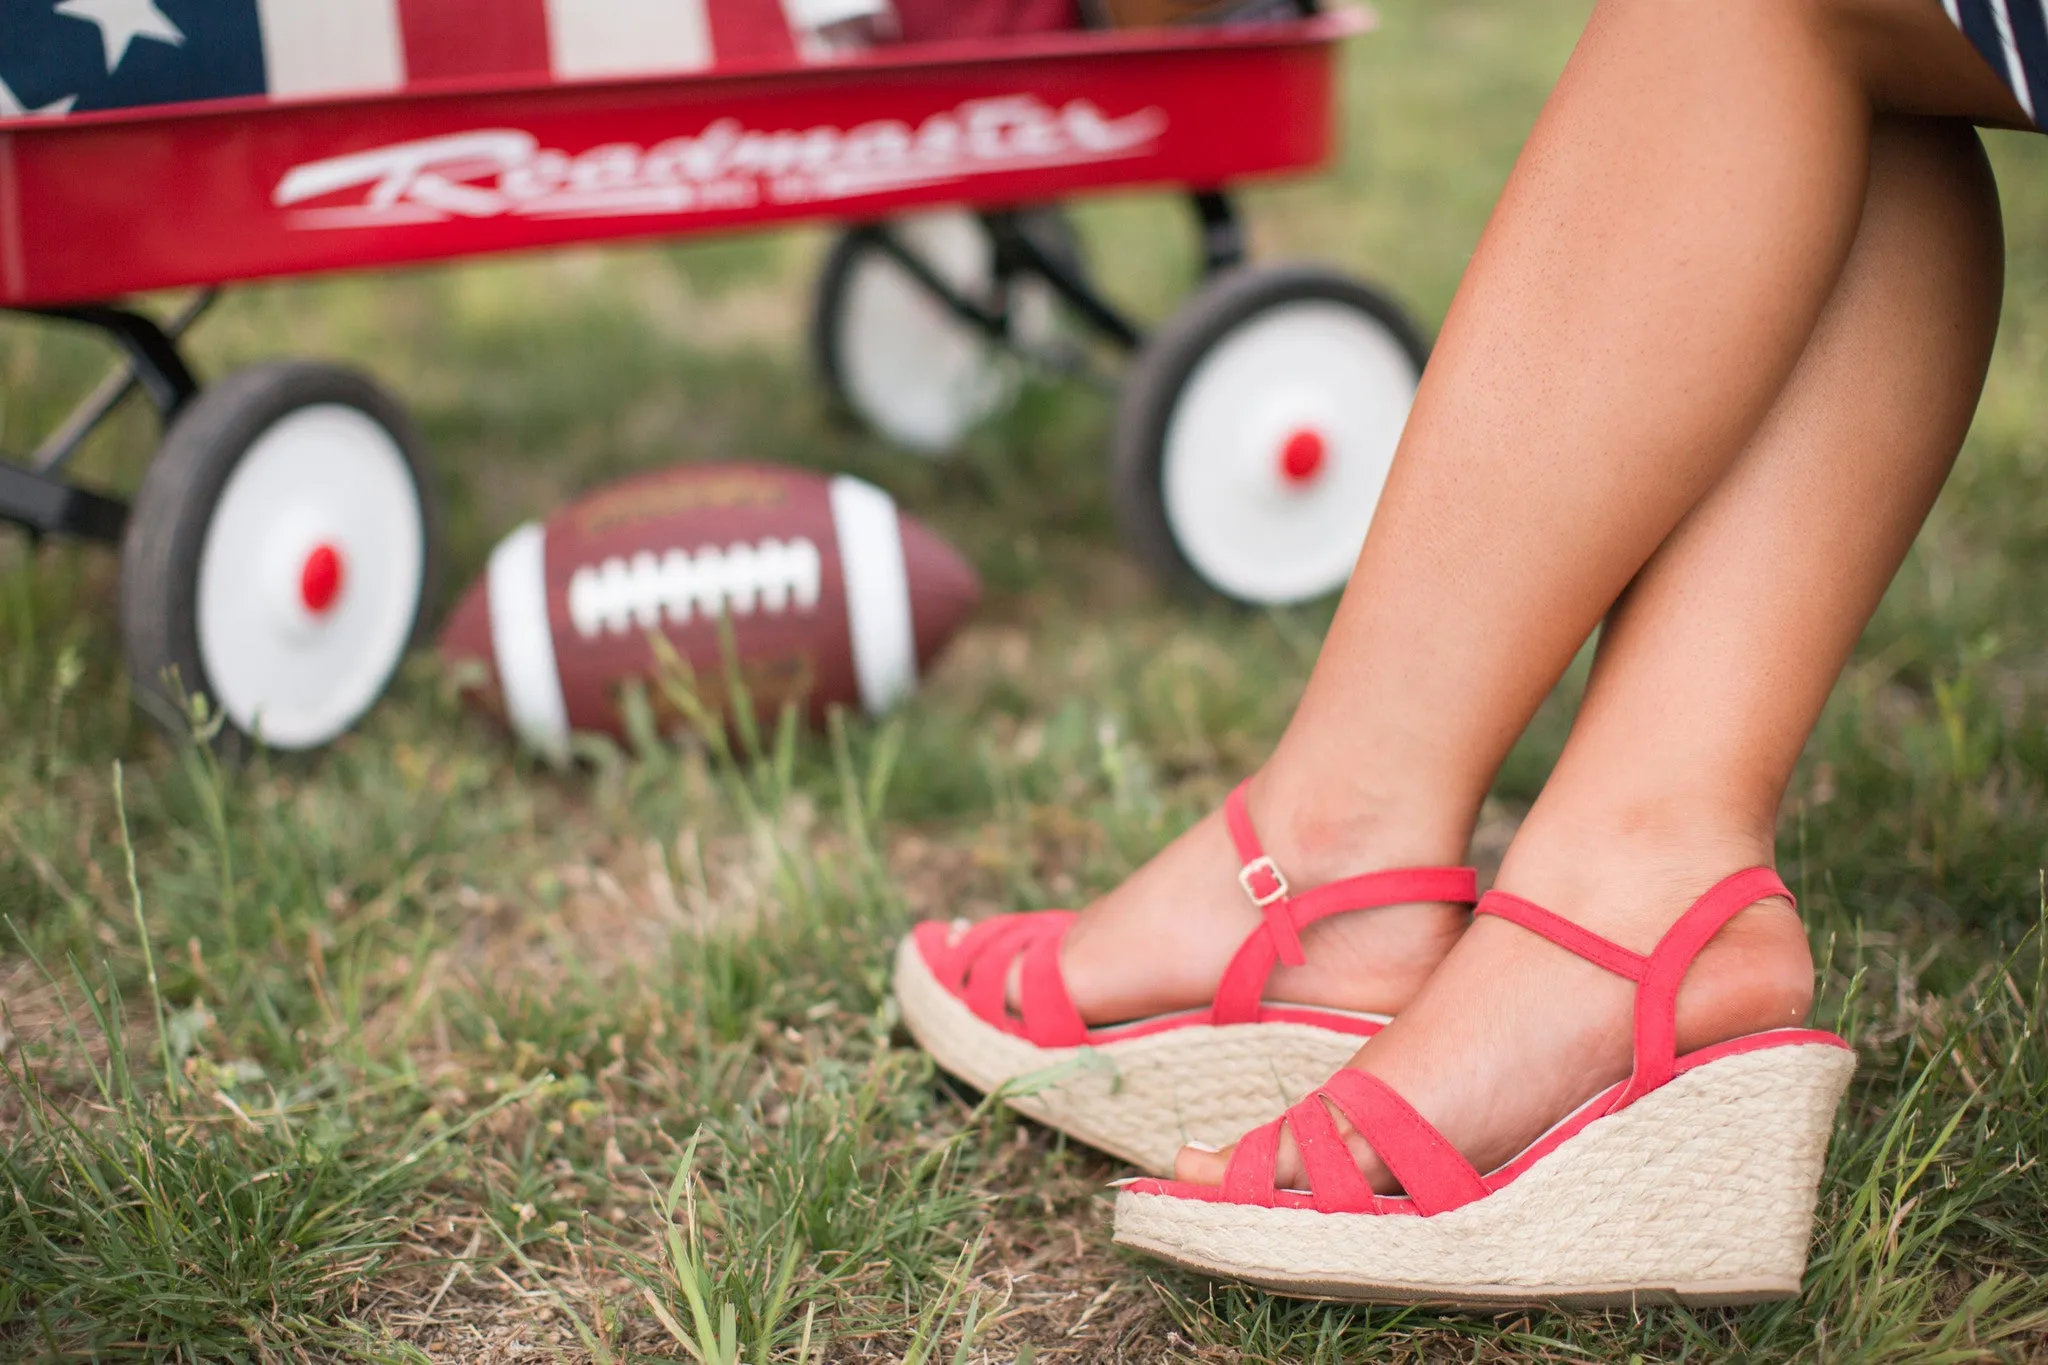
35	495
33	492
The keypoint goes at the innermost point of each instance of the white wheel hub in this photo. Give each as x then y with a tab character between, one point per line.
1278	445
915	372
310	577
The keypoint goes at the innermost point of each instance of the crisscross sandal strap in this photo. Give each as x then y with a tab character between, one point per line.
1251	1177
1435	1175
1333	1175
1657	976
1287	912
1048	1017
986	981
950	961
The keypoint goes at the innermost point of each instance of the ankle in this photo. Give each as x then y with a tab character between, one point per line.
1629	871
1318	831
1373	960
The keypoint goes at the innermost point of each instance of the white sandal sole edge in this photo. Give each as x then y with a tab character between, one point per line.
1701	1192
1139	1098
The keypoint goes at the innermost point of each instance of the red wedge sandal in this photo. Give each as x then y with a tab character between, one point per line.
1695	1179
1141	1089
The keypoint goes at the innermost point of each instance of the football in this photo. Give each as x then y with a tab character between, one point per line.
832	596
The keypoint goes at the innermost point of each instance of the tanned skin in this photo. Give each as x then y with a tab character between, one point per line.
1712	360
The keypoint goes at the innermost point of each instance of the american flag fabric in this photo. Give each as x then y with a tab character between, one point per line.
2013	36
61	57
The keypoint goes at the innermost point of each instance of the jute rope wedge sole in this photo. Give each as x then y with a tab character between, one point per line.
1141	1098
1141	1089
1694	1180
1702	1193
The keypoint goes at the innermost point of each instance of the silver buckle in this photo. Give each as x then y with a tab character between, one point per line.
1262	863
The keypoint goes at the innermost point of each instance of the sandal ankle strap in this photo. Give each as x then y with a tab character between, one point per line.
1263	881
1658	974
1434	1176
1287	912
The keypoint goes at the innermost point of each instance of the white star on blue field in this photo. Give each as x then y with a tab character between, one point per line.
69	56
121	22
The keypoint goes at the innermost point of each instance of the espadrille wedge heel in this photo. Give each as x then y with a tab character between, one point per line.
1139	1090
1694	1180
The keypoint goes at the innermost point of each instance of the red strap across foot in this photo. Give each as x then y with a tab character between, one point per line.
1249	1178
1561	931
988	969
1333	1173
1657	976
1432	1172
978	968
1050	1019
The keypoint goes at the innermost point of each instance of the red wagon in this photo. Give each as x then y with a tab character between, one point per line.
279	552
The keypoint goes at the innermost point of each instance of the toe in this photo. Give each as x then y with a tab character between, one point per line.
1200	1164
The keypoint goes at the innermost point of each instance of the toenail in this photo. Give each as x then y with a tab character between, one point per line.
1201	1147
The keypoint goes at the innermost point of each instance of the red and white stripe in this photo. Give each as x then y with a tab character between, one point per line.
328	47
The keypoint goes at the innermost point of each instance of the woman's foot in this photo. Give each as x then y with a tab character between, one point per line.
1512	1033
1244	1034
1160	941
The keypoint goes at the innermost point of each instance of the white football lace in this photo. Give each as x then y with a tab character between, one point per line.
619	595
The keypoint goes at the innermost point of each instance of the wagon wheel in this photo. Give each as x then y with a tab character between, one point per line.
896	358
1255	431
279	555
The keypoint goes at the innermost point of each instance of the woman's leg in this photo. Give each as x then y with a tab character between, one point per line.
1649	280
1711	672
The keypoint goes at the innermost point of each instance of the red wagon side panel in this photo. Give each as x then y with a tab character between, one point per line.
99	206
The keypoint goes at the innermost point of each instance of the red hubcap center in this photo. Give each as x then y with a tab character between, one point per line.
1302	457
320	579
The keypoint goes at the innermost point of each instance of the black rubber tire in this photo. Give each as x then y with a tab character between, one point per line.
1152	389
1047	225
175	505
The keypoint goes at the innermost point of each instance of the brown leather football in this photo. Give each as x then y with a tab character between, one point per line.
832	595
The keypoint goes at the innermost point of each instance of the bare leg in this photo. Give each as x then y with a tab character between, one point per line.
1712	670
1650	279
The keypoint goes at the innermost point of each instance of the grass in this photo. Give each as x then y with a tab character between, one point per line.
413	1049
